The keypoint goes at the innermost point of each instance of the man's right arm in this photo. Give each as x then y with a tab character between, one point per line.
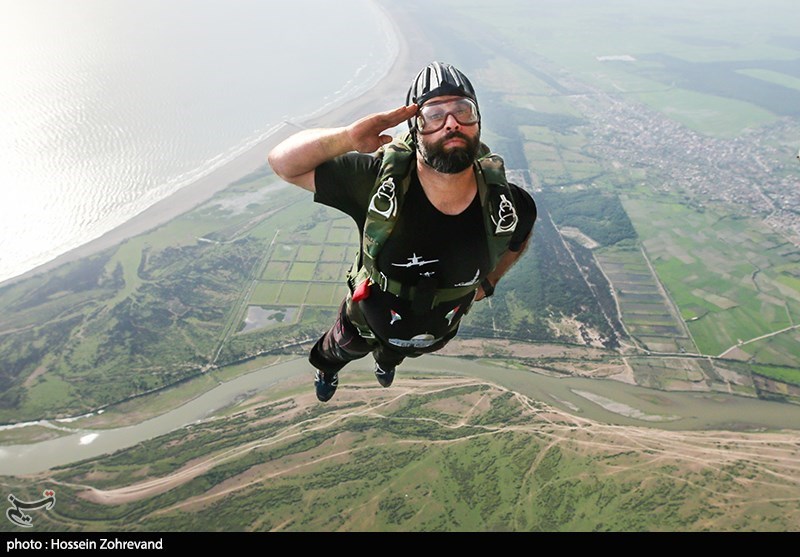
296	158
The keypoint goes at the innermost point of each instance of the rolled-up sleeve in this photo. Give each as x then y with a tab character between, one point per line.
526	213
345	183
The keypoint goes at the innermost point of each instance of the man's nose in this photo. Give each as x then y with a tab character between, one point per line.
451	123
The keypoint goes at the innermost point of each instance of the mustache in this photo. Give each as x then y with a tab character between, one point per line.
456	133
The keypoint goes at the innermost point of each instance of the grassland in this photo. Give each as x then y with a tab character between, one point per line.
790	376
431	454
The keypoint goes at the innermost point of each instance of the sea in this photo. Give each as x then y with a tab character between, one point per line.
108	106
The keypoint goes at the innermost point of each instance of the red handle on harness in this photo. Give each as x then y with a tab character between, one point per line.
362	291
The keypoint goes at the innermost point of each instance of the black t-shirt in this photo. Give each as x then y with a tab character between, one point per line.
426	247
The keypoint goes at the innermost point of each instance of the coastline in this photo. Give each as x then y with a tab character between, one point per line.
387	94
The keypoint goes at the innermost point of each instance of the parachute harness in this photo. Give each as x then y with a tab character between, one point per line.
394	178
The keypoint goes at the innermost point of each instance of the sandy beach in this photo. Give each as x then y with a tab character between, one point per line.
413	54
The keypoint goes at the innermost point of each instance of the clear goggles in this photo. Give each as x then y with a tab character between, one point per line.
431	117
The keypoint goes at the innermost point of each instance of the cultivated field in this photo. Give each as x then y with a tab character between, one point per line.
728	276
647	312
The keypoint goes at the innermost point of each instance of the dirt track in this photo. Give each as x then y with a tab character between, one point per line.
775	458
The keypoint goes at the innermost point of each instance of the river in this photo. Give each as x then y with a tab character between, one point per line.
605	401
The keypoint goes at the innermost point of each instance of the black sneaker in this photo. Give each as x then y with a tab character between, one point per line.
385	376
325	385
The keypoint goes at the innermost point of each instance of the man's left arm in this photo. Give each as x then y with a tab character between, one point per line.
507	261
526	208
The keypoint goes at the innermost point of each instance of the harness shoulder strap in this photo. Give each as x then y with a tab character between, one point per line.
385	202
387	196
499	214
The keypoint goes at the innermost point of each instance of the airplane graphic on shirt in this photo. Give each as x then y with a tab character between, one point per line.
415	261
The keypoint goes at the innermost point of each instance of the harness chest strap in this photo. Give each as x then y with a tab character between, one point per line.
409	292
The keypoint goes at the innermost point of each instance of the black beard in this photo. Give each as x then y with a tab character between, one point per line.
454	161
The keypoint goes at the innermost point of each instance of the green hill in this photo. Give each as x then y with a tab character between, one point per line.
433	453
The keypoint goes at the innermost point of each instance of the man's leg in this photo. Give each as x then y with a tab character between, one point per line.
335	349
386	360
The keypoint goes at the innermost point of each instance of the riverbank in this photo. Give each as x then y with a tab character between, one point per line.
388	93
596	401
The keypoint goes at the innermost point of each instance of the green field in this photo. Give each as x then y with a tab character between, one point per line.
558	157
302	271
726	274
298	274
774	77
646	313
707	113
785	375
265	294
309	253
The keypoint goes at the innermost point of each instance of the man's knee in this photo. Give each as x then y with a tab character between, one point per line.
386	357
338	346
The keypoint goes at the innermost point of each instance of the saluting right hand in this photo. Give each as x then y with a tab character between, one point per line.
367	134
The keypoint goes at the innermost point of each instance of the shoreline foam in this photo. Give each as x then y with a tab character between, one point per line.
387	94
